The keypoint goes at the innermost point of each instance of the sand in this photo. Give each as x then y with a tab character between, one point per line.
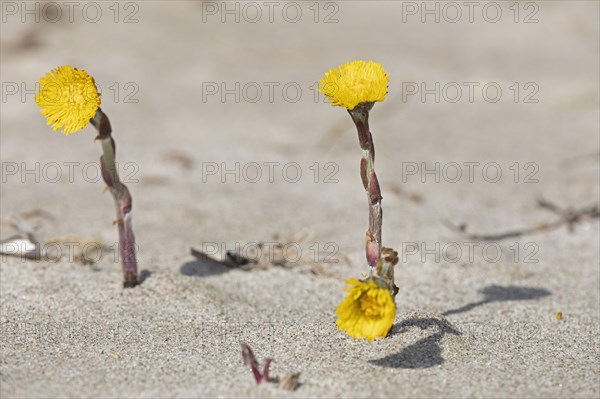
469	324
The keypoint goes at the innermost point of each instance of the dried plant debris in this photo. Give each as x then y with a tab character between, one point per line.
27	224
250	361
19	247
180	159
412	196
567	217
28	41
155	180
26	243
295	253
85	251
290	381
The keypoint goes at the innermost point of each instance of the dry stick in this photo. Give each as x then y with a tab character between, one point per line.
250	360
568	217
360	116
122	197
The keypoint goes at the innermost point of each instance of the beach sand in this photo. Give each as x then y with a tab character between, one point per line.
196	145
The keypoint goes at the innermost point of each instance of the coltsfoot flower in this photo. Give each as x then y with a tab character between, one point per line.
368	311
68	98
355	82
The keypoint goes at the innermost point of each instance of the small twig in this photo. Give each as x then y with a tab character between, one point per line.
290	381
25	229
250	360
568	216
265	255
542	203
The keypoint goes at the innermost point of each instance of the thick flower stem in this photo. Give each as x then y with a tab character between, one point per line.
122	197
360	116
385	269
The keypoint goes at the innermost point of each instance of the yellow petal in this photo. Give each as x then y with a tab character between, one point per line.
353	83
68	98
367	312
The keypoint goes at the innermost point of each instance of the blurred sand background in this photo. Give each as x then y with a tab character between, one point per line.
70	330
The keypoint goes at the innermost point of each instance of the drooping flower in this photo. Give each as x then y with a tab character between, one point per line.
68	98
367	312
355	82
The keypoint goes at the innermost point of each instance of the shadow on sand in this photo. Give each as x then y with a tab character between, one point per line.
144	274
203	268
424	353
427	352
497	293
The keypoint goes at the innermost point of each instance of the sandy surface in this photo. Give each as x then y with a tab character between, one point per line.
476	325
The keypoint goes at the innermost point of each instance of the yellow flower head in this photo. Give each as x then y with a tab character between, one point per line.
367	312
68	98
355	82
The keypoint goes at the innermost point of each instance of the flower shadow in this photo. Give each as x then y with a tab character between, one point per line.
424	353
427	352
497	293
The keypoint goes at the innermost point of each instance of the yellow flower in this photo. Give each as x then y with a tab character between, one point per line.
355	82
367	312
68	98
